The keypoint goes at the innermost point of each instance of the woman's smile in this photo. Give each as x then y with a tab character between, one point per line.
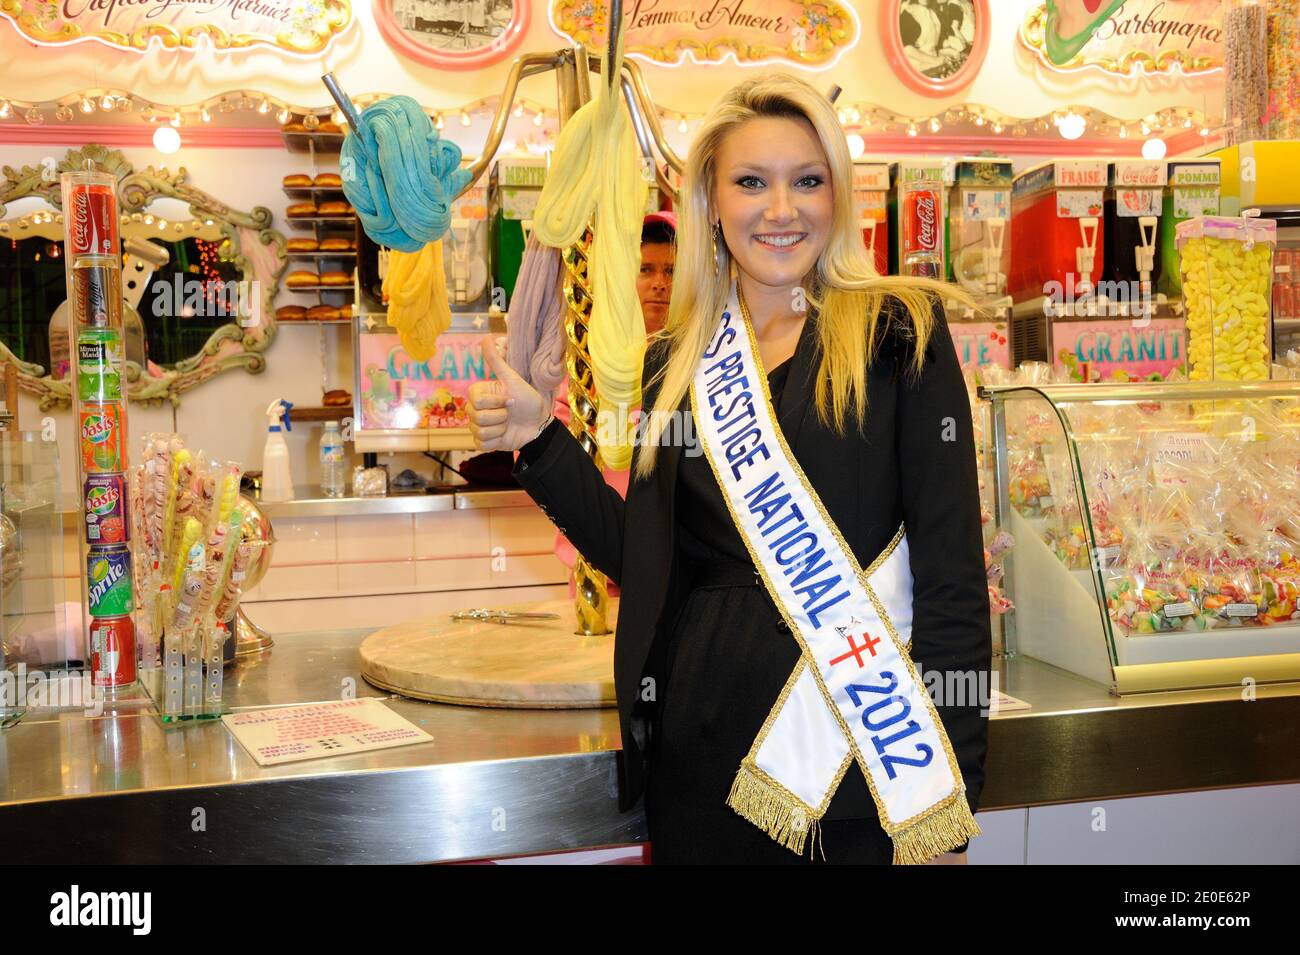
780	241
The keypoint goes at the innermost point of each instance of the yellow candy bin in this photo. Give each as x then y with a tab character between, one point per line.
1227	269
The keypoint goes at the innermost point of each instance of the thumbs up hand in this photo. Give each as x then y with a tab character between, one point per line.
507	413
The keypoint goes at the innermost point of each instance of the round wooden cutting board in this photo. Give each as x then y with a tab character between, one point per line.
538	664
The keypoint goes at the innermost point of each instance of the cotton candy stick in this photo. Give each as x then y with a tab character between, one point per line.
229	599
189	537
158	463
166	531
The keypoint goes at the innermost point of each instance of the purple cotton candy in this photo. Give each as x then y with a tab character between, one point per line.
535	338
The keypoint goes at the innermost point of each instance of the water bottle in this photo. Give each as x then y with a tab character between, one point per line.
332	466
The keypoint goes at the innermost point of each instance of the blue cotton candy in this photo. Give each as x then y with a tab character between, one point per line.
400	176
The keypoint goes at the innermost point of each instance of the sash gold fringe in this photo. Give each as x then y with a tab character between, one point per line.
778	814
936	834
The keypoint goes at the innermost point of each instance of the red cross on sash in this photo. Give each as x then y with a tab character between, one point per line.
869	644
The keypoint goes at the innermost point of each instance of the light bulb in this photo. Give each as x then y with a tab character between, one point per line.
176	118
4	109
519	111
682	127
166	140
282	117
1154	148
87	105
464	118
34	116
537	120
934	124
857	145
205	115
264	107
106	103
1072	125
911	129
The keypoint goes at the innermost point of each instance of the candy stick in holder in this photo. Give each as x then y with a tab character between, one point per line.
222	539
178	490
228	602
145	585
187	586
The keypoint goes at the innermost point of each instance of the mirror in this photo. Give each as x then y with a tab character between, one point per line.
197	280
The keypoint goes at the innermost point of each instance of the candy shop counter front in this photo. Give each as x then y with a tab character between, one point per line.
496	783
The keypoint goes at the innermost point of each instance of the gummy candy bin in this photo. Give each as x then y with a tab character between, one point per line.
1227	271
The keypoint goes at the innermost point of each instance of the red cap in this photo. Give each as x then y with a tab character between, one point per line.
668	217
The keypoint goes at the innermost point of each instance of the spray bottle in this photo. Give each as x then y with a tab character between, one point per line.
277	484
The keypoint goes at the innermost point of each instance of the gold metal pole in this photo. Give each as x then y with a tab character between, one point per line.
591	600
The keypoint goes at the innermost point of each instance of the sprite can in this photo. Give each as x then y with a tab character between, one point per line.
108	581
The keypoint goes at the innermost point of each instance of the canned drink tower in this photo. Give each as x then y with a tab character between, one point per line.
93	263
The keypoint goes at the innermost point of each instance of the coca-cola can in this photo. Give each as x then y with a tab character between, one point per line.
922	221
112	651
90	219
97	293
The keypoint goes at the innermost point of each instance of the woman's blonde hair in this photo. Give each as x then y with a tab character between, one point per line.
843	287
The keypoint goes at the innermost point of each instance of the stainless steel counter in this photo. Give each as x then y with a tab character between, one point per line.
122	788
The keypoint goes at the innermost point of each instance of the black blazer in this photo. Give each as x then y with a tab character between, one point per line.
914	463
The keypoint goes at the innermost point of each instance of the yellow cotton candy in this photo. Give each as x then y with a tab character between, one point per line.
416	289
595	177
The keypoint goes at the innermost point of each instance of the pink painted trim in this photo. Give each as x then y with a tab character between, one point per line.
494	52
900	144
53	133
917	81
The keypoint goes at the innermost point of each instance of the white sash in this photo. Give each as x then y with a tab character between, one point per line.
854	694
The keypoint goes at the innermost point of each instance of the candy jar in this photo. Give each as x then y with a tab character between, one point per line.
1227	268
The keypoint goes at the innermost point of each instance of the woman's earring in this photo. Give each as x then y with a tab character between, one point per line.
713	239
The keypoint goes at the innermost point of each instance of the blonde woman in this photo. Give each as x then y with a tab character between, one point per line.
746	729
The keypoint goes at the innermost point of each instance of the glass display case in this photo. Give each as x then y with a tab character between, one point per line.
1157	529
35	632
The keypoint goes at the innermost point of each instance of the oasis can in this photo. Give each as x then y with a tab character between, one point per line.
102	440
105	501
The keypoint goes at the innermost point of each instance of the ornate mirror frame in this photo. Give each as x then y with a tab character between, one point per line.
248	242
